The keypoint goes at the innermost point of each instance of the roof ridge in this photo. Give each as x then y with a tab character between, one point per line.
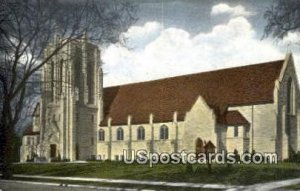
191	74
242	85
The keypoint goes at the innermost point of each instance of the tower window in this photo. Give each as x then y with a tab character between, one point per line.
61	76
77	116
52	81
28	140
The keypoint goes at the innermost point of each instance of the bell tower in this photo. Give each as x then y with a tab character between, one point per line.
89	103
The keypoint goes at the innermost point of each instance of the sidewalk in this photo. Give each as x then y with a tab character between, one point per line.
262	186
13	185
269	185
134	182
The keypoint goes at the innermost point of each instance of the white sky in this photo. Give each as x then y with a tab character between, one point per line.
157	51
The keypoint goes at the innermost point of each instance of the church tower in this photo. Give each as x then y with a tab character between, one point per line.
71	101
88	84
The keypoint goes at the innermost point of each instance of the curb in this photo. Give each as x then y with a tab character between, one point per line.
72	185
135	182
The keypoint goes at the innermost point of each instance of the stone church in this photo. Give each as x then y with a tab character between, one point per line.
253	107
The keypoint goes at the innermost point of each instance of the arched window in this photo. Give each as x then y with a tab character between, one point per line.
291	98
52	80
101	135
120	134
164	132
141	133
61	76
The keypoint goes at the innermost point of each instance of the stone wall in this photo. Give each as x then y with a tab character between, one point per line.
111	148
287	115
30	145
199	122
239	142
262	119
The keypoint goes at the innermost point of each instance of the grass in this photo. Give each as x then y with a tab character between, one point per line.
293	187
233	175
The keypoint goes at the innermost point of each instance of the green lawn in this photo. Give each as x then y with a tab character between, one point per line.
233	175
293	187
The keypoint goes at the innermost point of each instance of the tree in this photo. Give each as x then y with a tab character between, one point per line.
282	17
26	28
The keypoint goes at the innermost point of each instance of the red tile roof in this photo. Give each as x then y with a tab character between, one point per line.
233	118
246	85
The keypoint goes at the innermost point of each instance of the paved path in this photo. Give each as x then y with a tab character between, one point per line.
276	185
12	185
134	182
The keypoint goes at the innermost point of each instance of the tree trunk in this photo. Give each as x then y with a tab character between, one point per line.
8	145
7	141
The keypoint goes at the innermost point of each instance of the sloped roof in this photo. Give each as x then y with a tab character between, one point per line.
252	84
29	131
233	118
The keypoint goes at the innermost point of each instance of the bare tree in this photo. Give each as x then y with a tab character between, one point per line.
26	28
282	17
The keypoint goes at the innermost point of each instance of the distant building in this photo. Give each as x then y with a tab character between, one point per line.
254	107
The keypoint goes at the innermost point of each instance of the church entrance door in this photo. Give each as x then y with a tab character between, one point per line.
199	146
53	150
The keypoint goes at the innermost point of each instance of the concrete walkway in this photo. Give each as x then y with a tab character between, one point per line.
268	186
256	187
13	185
133	182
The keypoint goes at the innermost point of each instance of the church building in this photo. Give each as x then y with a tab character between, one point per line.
253	107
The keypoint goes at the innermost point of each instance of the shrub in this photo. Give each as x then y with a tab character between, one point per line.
30	160
65	160
236	155
293	156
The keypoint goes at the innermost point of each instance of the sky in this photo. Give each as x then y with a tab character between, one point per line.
177	37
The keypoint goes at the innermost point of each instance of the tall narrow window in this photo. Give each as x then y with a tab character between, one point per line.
291	97
52	80
77	116
141	133
61	77
101	135
28	141
120	134
236	131
164	132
